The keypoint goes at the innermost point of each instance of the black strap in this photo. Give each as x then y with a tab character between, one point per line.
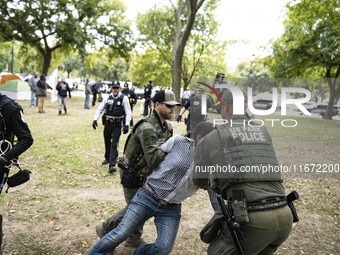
267	208
132	132
277	203
238	195
267	201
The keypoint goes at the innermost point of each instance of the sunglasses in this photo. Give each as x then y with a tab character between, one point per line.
115	88
170	106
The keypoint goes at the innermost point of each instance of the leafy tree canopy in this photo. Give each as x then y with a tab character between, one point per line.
310	44
203	53
47	25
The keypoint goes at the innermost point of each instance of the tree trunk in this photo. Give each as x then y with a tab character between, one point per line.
329	112
47	62
333	92
176	73
186	83
176	81
179	41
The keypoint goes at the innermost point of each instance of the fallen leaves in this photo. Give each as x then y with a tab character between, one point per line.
51	222
84	243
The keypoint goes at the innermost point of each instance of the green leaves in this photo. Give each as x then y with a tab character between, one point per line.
203	55
47	25
311	38
310	45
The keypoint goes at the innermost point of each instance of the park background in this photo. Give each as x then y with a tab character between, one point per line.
70	192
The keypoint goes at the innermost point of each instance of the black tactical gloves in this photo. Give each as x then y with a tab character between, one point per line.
179	118
125	129
94	124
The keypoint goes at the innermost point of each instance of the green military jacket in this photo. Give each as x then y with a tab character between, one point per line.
142	148
243	146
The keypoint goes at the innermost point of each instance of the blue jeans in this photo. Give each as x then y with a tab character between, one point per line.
143	206
87	101
34	96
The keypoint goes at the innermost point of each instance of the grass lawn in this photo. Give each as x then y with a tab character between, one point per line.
70	191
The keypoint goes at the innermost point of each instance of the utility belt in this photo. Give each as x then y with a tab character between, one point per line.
239	207
131	178
114	121
267	204
108	120
149	190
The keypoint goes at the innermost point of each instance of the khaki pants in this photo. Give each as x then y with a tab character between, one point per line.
264	233
41	104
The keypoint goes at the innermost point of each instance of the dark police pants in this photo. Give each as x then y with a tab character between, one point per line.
94	98
112	132
147	104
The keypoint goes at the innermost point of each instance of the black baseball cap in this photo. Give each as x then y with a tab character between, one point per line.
166	97
115	84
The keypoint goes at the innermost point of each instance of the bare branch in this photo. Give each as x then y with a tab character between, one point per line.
190	22
182	5
56	47
41	49
163	55
173	6
45	41
199	5
196	64
38	39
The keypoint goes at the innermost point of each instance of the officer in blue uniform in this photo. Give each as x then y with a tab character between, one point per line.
132	98
195	115
116	107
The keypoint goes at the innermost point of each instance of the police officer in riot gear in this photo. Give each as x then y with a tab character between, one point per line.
117	110
12	123
132	98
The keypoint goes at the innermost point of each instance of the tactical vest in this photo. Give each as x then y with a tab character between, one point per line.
133	147
128	94
147	92
195	110
248	149
115	107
